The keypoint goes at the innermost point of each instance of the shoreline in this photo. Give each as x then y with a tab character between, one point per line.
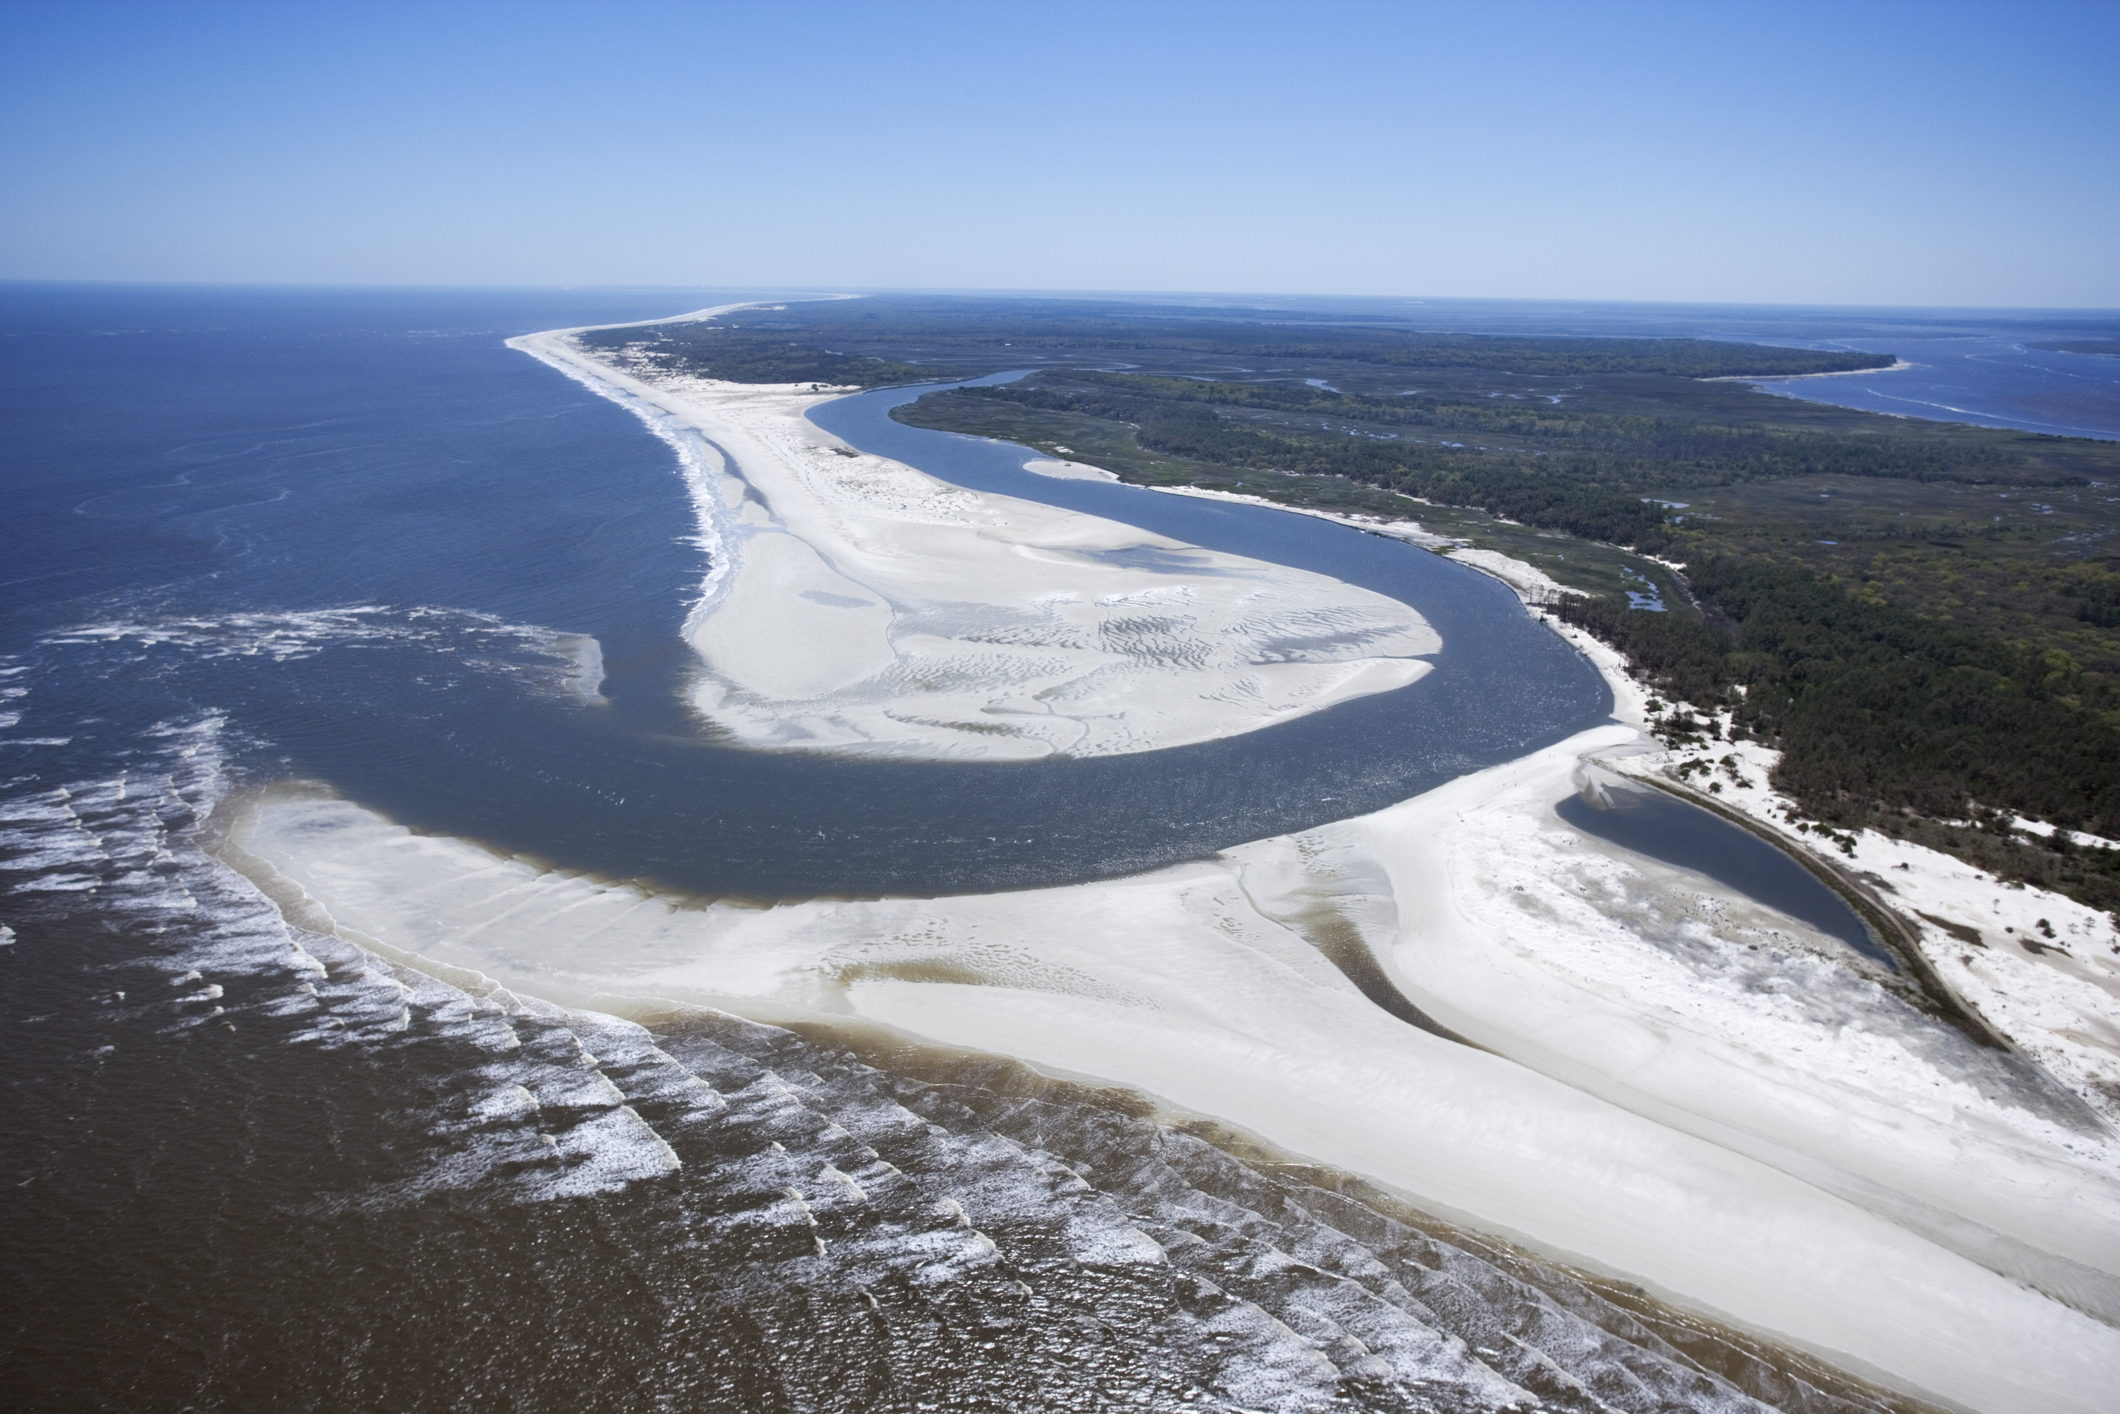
941	623
1763	1134
1628	1038
2043	996
1754	378
1533	586
2035	970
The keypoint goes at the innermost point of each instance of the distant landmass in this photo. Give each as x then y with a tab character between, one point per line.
2110	348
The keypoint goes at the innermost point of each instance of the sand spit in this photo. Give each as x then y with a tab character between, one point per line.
860	606
1895	366
1683	1087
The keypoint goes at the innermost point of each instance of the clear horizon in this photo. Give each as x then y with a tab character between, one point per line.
1880	155
786	291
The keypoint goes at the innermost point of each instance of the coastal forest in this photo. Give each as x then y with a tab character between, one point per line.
1923	617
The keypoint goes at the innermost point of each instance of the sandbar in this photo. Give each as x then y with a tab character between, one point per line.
859	606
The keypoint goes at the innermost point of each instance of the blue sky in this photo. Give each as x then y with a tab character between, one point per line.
1877	153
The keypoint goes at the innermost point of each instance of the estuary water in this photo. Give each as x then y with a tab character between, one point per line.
1977	377
348	537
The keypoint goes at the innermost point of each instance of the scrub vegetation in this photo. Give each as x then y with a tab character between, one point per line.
817	335
1924	617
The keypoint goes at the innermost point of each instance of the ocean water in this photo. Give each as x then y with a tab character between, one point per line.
347	536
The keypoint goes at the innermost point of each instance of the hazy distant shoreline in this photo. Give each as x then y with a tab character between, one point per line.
1755	380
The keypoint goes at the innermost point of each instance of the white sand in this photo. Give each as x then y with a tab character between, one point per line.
1760	1135
2055	997
1409	531
1068	471
1532	584
1896	365
1683	1088
2055	991
858	605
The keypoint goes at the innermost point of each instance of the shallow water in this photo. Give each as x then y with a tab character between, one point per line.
1651	823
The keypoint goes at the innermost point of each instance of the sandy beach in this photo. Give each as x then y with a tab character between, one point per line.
857	605
1682	1086
1670	1082
1895	366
